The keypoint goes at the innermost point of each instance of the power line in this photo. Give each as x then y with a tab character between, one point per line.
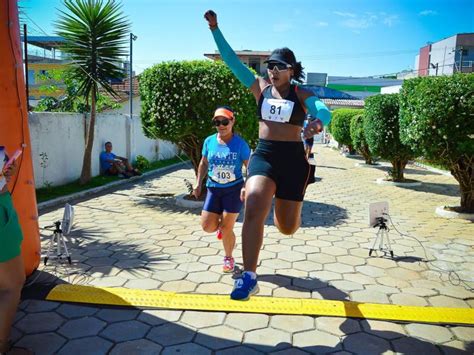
34	23
322	56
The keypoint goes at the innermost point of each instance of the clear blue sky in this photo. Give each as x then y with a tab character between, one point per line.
338	37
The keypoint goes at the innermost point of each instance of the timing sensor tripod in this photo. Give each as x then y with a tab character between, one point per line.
381	233
57	241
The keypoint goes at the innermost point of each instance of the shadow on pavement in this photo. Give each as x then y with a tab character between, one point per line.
435	188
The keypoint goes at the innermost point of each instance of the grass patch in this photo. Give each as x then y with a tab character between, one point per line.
49	193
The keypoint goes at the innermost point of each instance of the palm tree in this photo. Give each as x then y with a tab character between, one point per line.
96	36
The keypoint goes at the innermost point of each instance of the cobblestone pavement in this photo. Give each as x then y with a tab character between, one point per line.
136	237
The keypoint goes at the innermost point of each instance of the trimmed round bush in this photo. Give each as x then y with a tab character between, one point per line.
437	121
358	138
179	100
341	125
381	128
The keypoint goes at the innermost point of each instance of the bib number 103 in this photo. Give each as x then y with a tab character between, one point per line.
224	175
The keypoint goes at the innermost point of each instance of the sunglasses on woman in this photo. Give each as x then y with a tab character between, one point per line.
278	66
224	122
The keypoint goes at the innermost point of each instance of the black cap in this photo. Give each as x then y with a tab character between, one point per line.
277	57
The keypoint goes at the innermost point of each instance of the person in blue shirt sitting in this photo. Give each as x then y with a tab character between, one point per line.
223	155
111	164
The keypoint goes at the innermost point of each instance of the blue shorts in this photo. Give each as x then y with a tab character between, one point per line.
221	199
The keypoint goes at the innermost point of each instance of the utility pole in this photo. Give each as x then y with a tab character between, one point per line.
130	78
25	50
461	49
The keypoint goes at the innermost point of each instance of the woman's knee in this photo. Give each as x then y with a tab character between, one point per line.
209	227
287	229
12	285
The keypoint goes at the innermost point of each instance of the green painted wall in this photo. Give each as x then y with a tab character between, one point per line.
343	87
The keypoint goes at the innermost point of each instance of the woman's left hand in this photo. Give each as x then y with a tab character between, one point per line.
242	194
10	171
313	127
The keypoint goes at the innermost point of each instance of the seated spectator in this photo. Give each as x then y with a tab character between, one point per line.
111	164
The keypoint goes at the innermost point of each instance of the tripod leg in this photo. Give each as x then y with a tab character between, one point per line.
381	239
375	242
58	241
50	246
66	252
389	245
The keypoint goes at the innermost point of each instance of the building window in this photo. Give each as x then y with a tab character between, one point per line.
31	77
255	64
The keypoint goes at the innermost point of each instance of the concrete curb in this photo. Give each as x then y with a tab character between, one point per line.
430	168
440	211
180	201
382	181
364	165
67	198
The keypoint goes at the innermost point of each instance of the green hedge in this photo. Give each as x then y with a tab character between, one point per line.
381	128
341	125
179	99
358	138
437	121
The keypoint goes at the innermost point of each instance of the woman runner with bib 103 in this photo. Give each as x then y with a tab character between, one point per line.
223	154
278	167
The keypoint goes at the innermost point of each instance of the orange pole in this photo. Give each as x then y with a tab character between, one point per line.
14	131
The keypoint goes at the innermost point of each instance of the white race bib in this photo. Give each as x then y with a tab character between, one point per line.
277	110
223	174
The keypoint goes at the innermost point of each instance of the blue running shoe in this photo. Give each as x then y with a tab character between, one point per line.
244	288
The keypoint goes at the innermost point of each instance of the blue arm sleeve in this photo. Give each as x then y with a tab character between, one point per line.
318	109
242	73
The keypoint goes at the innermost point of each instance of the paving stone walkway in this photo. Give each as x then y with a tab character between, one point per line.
137	237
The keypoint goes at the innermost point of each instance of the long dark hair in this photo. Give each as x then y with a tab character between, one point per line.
287	53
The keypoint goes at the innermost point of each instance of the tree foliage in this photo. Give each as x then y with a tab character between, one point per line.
341	125
179	99
95	34
382	132
437	121
358	137
70	101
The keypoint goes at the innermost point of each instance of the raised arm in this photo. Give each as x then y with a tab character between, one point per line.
241	71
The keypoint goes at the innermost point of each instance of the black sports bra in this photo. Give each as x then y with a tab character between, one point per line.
287	110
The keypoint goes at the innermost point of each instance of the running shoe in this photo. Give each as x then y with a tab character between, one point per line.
229	264
244	288
219	234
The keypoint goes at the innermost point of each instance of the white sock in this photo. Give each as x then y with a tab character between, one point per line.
252	274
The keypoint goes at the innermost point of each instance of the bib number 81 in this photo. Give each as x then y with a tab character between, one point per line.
274	108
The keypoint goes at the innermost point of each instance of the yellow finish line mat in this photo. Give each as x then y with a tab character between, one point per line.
257	304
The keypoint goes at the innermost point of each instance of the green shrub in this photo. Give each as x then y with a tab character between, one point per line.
341	125
142	163
358	138
381	128
179	99
437	121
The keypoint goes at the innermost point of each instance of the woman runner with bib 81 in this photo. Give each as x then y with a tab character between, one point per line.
278	167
